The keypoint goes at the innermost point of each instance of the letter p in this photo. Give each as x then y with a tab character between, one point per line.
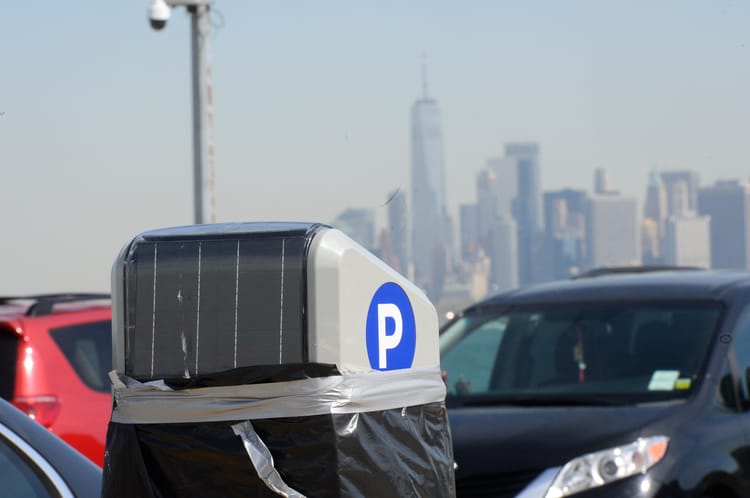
386	341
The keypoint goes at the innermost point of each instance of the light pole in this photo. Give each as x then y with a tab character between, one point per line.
204	201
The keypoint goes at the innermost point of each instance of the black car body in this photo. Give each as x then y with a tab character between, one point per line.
34	463
617	386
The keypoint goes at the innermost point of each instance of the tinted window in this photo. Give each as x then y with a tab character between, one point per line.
727	390
470	360
629	352
8	354
19	477
88	348
741	350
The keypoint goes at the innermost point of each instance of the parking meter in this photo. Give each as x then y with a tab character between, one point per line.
281	359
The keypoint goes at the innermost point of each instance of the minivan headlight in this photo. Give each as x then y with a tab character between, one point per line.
595	469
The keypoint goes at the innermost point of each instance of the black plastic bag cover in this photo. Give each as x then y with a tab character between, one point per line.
393	452
400	452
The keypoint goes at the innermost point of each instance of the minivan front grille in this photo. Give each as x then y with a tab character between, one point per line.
506	485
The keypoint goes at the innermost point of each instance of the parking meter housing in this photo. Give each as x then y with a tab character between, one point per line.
281	358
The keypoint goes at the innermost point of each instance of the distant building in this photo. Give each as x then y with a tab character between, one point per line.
651	242
398	230
679	205
505	188
565	233
359	224
504	256
386	252
449	242
728	205
496	229
655	216
480	269
656	199
528	211
428	202
496	192
612	231
601	181
691	180
469	219
688	241
486	202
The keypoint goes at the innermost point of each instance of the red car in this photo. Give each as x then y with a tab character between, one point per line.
55	353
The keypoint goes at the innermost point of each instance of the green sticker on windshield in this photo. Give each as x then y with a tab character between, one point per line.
682	384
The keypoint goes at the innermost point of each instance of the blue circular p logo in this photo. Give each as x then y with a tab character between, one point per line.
391	333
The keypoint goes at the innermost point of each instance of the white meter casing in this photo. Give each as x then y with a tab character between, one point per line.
202	299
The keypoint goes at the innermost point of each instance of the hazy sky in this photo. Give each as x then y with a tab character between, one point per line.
312	103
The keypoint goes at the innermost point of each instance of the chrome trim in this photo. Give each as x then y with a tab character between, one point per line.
49	471
539	486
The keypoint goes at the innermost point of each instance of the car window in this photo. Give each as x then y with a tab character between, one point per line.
630	352
88	348
741	350
471	359
8	353
19	478
727	392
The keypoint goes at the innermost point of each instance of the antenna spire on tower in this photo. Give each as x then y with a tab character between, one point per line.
424	75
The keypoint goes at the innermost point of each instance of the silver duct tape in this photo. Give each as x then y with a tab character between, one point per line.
155	403
262	460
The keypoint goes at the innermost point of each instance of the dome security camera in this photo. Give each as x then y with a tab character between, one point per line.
158	14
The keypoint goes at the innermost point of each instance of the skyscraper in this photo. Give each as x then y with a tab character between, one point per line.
655	216
692	181
651	243
612	231
497	231
469	218
528	209
502	252
505	187
497	188
487	208
688	241
601	181
359	224
429	213
680	199
656	199
397	230
565	232
728	205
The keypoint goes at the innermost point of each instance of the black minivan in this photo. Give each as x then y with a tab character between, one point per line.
612	386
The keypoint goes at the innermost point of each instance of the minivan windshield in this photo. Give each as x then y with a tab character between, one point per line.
576	353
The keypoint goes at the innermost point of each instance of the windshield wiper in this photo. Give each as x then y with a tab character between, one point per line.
546	400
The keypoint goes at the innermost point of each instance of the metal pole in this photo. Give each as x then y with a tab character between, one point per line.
203	147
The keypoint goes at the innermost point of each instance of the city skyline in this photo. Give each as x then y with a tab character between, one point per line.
681	222
586	230
311	110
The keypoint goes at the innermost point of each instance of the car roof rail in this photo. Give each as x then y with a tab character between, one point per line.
629	270
43	304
